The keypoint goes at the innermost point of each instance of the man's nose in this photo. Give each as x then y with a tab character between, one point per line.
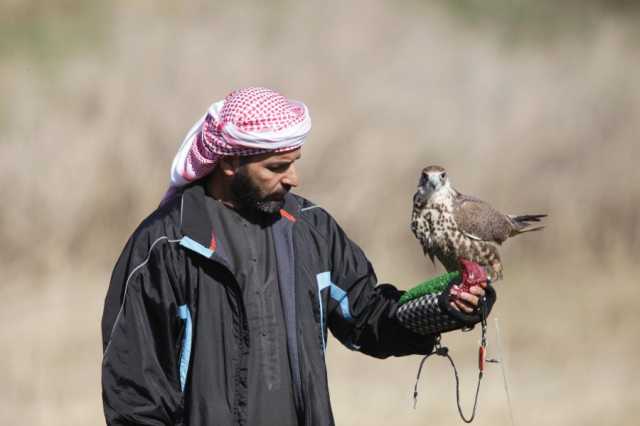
290	179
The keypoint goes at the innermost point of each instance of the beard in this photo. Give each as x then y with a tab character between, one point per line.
248	197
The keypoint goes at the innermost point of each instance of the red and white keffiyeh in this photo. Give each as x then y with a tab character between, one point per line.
248	121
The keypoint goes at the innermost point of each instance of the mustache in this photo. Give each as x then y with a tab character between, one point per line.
276	196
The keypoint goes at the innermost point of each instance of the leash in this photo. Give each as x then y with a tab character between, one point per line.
444	352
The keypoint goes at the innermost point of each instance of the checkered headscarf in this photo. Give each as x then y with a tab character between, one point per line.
248	121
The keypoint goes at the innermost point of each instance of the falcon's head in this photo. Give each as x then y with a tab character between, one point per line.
434	181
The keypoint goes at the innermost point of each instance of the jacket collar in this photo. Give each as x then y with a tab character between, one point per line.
197	230
194	220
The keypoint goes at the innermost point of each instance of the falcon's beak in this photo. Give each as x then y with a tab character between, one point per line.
433	181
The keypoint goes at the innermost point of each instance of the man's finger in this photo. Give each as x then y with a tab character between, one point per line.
477	291
470	298
462	306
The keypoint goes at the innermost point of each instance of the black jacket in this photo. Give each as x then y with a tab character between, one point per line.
175	330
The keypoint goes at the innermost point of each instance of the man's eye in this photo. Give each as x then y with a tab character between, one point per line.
279	168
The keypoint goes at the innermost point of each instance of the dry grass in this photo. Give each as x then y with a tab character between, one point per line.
87	132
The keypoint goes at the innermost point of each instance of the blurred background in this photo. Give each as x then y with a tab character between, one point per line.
533	105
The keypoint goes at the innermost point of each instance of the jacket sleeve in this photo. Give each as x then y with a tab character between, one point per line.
362	313
141	339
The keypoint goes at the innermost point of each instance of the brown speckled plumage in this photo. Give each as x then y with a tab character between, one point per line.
450	225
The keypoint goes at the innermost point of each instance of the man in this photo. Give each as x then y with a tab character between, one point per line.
218	308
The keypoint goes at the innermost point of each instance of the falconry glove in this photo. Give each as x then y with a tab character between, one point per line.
426	308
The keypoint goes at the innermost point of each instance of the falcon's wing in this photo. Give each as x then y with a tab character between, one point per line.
478	220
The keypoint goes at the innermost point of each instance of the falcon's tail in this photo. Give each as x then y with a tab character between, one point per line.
523	223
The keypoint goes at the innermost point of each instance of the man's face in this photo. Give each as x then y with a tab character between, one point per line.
263	180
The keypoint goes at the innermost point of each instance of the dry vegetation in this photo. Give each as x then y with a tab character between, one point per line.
536	119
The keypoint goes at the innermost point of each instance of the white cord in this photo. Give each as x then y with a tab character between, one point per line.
503	367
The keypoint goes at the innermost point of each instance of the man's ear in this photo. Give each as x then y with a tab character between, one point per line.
229	165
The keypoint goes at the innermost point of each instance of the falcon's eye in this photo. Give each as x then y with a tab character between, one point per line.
443	175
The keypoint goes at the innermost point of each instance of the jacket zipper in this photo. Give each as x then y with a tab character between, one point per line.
243	340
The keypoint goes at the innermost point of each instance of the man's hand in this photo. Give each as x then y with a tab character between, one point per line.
467	302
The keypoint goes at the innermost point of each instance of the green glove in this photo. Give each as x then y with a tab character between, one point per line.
432	286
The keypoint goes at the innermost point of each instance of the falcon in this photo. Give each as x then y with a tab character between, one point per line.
453	226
